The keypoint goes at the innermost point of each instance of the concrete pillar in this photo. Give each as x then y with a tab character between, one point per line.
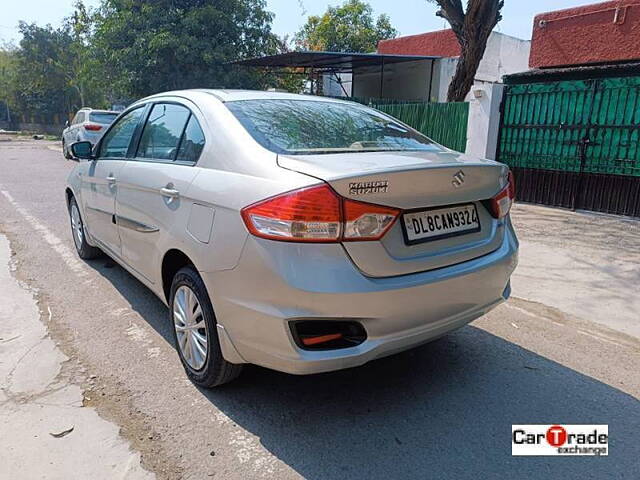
484	119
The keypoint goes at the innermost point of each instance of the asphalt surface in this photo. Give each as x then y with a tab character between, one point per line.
441	411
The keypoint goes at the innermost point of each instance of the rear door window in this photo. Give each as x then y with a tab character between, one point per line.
192	142
116	141
162	132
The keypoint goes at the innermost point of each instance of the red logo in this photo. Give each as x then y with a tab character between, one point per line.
556	436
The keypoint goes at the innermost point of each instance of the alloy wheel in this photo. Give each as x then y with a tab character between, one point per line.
191	329
76	226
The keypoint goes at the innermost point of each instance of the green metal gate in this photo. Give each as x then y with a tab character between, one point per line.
574	143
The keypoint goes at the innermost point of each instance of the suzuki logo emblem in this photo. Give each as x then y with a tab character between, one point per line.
458	179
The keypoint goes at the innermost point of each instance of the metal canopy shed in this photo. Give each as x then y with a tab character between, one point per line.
329	61
333	63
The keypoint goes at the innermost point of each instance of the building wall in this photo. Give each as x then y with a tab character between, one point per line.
442	43
603	32
504	55
331	85
402	81
444	70
484	120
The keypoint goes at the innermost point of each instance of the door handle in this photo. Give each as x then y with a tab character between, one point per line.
111	179
169	192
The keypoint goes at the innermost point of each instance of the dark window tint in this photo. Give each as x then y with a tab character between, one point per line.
162	132
192	142
306	127
102	118
117	139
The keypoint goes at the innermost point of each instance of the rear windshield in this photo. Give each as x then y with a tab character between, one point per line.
103	118
299	127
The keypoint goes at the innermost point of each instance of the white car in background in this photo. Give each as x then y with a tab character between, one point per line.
88	125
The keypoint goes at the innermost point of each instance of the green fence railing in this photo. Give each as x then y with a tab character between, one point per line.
446	123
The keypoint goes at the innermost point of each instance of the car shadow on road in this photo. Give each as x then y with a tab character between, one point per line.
443	410
440	411
141	299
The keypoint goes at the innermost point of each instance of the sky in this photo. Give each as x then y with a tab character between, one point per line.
407	16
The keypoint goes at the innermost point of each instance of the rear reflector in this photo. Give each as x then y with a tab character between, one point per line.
93	127
317	214
327	334
500	205
310	341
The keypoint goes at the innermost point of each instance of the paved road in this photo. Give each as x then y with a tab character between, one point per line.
441	411
583	263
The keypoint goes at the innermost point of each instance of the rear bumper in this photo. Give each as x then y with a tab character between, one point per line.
276	282
89	136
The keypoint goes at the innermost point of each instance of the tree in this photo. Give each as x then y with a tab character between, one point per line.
44	78
289	79
7	80
472	29
347	28
84	78
54	74
148	46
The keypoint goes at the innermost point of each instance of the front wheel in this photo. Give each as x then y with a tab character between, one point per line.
85	251
195	332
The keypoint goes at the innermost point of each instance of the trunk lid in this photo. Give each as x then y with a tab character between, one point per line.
412	181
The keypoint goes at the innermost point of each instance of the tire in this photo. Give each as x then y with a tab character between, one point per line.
211	369
78	233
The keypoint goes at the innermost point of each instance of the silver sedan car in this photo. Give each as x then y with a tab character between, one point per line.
300	233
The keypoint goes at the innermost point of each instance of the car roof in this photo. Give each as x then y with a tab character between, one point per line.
229	95
93	110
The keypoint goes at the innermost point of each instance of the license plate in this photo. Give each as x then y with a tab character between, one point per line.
434	224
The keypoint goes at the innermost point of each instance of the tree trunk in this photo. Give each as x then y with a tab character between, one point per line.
472	29
466	71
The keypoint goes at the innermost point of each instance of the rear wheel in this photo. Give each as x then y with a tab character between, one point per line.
195	332
85	251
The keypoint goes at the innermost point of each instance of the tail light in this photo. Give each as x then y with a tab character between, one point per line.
309	215
501	203
364	221
93	127
317	214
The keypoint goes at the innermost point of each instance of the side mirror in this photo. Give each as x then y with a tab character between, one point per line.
82	150
66	123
